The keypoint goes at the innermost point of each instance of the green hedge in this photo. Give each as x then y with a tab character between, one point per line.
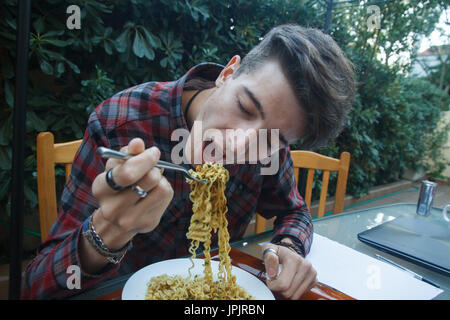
123	43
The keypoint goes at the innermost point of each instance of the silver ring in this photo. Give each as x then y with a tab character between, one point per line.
270	250
141	192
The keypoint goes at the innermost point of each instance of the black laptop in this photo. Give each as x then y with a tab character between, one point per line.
417	239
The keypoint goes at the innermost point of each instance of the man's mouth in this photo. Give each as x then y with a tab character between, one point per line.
210	152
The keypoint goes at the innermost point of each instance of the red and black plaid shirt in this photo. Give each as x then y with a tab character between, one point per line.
152	111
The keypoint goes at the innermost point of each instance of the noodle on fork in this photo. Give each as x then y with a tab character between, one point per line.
209	210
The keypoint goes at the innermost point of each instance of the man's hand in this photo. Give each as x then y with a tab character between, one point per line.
123	214
125	209
296	277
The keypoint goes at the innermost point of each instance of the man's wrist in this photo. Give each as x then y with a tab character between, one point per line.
113	237
96	242
287	240
291	244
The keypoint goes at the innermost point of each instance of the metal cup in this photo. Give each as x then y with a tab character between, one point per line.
426	197
444	213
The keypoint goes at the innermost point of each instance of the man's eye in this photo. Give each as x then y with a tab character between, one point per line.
241	107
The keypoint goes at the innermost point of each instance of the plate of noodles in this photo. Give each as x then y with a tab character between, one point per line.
170	280
200	279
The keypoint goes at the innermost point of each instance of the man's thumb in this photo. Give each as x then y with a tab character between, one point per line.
271	262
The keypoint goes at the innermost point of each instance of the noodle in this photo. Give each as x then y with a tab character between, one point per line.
209	210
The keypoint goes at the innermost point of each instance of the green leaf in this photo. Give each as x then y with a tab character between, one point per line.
4	187
5	158
6	131
60	124
38	25
163	62
204	12
53	34
76	129
149	53
7	67
58	43
139	47
9	35
153	40
30	163
35	122
41	101
72	65
129	25
30	195
46	67
122	41
52	55
96	39
60	67
9	96
108	47
11	23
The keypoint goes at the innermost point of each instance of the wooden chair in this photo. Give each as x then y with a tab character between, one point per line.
48	154
314	161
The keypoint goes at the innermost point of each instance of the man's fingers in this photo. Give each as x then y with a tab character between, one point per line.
297	282
162	193
129	172
159	197
135	168
140	211
296	277
284	280
148	183
136	146
307	284
150	180
271	262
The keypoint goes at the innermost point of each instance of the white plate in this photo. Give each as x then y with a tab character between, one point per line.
136	286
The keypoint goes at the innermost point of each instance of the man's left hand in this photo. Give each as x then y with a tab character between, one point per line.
296	277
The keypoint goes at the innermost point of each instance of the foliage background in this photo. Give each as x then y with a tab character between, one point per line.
123	43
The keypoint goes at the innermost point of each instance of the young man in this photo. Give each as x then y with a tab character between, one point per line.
296	80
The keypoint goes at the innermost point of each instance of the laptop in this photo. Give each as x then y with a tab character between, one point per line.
415	239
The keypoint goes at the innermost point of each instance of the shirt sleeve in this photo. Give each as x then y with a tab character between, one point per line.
280	197
52	273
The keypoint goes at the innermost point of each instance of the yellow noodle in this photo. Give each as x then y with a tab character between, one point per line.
209	210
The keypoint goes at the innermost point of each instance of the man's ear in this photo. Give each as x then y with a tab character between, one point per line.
228	71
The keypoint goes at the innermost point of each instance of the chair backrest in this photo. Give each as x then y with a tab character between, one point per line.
48	154
314	161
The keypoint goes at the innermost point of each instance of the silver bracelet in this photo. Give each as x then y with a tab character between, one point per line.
114	256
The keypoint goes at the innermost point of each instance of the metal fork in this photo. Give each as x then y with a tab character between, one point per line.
109	153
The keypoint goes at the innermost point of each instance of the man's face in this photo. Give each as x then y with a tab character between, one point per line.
248	103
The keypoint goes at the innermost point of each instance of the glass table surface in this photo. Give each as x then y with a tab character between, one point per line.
344	228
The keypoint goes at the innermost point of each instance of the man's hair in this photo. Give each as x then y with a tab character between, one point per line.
320	75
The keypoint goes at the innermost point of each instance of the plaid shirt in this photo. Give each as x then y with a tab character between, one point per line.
152	111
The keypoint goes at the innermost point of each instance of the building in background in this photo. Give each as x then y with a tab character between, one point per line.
429	60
